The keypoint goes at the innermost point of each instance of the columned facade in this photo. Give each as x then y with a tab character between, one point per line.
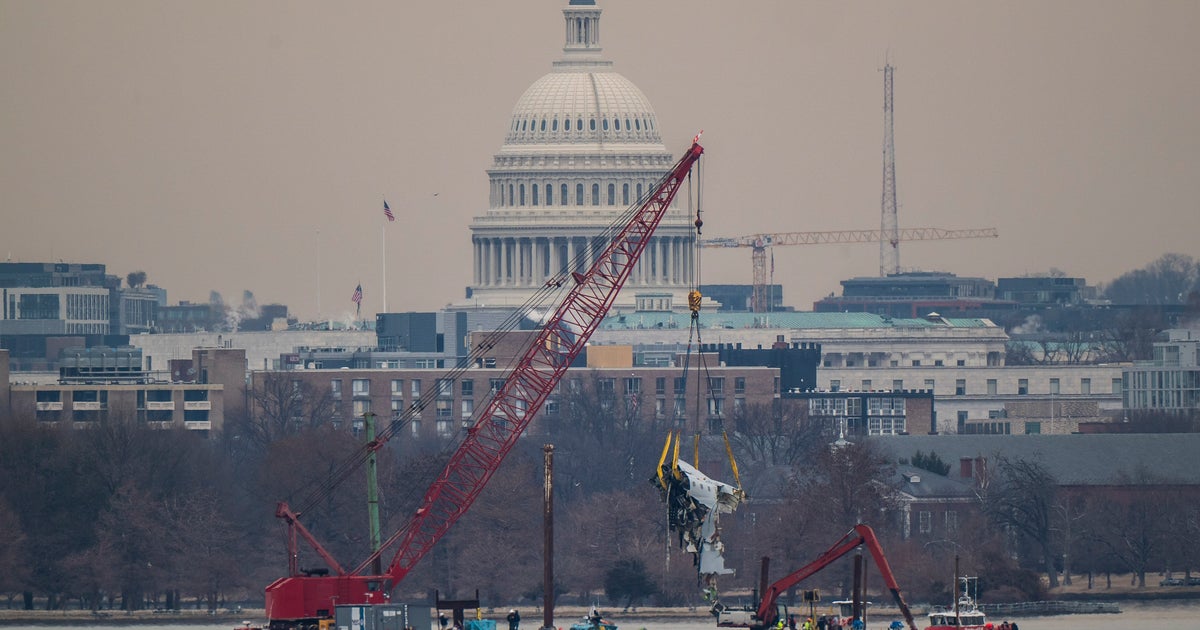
582	147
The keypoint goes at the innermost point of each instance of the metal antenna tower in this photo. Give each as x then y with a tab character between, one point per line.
889	226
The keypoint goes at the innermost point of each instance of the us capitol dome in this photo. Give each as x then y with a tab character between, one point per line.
582	146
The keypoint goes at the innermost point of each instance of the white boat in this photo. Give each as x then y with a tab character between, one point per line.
964	614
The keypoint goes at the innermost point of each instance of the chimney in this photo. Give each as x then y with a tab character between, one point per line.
964	467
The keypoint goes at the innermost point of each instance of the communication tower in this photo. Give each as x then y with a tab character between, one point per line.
889	226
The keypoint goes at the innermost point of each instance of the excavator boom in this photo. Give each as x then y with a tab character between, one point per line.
767	613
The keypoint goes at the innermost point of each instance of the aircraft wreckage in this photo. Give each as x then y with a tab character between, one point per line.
695	501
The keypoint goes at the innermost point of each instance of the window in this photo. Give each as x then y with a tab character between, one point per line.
1033	428
660	385
633	385
579	194
680	384
562	194
416	387
660	405
1054	386
625	194
962	420
444	407
445	388
360	387
1085	386
397	388
606	386
468	407
494	384
916	362
991	386
595	194
1022	386
612	194
835	385
362	407
549	194
951	521
397	408
938	363
716	384
680	407
716	406
739	384
521	194
960	387
1116	386
866	385
535	194
468	388
961	362
929	384
897	384
924	522
335	387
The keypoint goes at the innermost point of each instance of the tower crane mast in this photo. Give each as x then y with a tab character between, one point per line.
761	242
305	599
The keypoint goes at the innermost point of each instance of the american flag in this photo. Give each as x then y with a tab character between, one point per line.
357	297
387	212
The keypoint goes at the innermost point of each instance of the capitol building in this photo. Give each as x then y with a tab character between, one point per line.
582	147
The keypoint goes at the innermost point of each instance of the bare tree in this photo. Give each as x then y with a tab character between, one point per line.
282	406
1021	499
764	432
1167	280
1134	528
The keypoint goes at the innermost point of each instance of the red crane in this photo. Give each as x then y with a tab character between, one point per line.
767	613
303	601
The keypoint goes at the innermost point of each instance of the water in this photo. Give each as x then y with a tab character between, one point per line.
1134	616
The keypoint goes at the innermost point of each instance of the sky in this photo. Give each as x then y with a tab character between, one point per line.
233	145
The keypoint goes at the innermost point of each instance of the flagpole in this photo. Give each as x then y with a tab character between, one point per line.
383	234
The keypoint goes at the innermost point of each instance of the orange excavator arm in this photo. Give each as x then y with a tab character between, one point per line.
860	535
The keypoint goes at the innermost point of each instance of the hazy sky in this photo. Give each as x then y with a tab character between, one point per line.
232	145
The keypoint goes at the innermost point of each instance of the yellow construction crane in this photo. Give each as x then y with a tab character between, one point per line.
761	242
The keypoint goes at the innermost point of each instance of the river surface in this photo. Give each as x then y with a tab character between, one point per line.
1134	616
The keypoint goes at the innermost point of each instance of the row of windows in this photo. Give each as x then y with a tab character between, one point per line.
629	385
960	386
925	521
543	195
552	125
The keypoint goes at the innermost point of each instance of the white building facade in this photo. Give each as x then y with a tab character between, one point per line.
1171	381
582	147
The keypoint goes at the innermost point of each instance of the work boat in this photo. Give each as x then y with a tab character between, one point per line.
964	613
594	621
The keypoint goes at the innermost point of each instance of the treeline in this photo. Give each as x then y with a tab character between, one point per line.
121	516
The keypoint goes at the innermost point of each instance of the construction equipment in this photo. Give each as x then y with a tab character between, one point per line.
770	612
304	600
761	242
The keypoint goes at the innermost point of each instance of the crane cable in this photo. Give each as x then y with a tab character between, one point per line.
695	302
